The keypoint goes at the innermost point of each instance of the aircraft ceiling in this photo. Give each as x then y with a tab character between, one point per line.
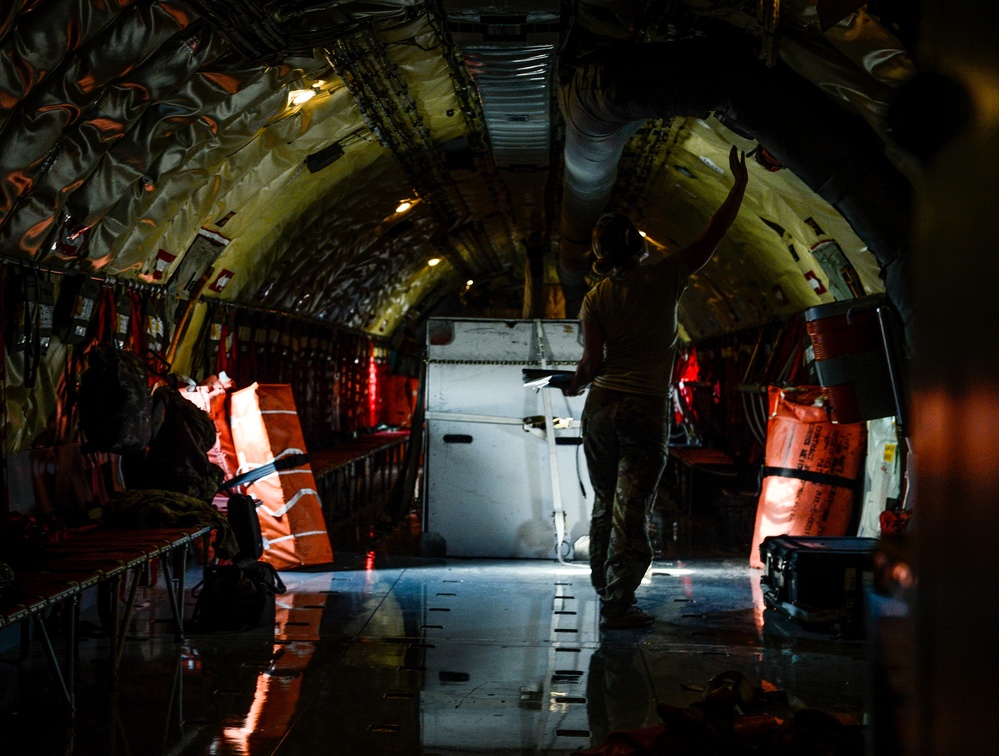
266	147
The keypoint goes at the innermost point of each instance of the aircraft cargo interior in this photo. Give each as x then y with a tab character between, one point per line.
461	377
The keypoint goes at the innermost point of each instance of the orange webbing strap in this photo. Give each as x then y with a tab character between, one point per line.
137	323
102	325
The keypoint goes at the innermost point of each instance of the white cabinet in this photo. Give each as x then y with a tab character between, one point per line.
488	480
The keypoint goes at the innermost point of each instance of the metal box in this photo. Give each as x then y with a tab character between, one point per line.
488	482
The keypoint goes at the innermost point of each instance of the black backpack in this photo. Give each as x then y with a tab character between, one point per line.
177	458
116	405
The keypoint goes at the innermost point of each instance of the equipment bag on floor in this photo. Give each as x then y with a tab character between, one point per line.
236	597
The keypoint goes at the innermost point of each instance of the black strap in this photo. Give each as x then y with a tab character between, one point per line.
282	463
272	581
810	476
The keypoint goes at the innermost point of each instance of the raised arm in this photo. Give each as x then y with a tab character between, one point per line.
699	252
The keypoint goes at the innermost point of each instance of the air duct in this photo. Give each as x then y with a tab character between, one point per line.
834	152
510	57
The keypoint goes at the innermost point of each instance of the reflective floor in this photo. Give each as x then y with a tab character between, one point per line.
426	657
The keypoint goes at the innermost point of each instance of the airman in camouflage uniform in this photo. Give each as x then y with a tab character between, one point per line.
629	345
626	453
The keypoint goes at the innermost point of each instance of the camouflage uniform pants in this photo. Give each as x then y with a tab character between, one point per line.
625	441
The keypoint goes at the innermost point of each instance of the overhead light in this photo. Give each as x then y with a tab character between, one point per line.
300	96
403	206
642	234
433	261
469	282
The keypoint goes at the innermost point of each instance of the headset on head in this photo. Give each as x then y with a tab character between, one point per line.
615	241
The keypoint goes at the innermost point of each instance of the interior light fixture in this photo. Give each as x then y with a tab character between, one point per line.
300	96
433	261
469	282
403	206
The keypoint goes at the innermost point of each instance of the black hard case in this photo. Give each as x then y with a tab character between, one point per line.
817	580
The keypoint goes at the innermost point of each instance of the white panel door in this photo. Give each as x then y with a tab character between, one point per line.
488	481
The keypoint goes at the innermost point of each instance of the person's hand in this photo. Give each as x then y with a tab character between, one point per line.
565	382
560	380
737	164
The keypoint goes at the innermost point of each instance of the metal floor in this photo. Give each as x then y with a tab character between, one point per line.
427	657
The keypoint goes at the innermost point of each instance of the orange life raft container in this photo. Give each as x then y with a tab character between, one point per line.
810	472
265	427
